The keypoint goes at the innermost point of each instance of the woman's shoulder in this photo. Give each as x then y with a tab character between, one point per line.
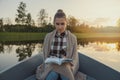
71	34
49	34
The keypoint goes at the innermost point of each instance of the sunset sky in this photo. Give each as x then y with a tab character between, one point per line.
93	12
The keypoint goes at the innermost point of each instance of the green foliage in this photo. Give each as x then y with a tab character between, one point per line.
72	23
1	25
1	22
21	16
29	19
27	28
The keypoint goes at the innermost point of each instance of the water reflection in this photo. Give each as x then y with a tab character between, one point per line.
1	48
109	42
16	51
24	51
106	53
98	46
118	46
26	48
107	46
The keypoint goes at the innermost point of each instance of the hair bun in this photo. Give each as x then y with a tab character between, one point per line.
60	11
59	14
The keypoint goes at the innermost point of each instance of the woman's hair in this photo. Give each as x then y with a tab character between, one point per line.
59	14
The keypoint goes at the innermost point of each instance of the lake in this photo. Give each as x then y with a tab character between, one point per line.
106	51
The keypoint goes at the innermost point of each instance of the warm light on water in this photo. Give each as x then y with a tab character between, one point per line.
110	45
107	46
113	46
106	53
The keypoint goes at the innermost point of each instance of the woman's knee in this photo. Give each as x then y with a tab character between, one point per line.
63	77
52	76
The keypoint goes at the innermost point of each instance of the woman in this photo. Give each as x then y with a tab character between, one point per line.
60	43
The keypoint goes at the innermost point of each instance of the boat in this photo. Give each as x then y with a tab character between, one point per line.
26	69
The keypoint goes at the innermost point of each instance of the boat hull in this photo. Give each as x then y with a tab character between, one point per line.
87	66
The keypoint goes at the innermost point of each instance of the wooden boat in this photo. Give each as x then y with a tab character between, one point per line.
26	69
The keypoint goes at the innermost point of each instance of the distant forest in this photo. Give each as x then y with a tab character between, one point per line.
25	23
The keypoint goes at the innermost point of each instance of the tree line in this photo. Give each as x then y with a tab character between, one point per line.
25	23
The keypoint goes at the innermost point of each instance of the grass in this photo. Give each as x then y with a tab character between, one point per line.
21	36
97	35
18	36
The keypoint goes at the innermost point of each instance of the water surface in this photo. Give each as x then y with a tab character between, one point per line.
104	51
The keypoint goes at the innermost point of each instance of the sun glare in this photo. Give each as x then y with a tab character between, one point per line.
112	45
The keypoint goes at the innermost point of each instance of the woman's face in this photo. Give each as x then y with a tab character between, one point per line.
60	24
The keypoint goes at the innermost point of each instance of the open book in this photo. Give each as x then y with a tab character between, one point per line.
57	60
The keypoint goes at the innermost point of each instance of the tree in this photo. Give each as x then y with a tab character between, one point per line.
72	23
50	19
42	16
1	22
32	22
21	16
1	25
28	19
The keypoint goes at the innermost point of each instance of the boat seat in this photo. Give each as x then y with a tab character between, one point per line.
31	78
90	78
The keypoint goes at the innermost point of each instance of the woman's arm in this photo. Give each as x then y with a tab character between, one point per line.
45	47
75	57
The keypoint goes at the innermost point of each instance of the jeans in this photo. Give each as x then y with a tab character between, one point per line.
54	76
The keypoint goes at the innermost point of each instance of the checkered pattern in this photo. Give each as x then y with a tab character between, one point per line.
58	47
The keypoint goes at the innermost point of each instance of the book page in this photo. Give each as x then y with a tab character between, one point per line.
57	60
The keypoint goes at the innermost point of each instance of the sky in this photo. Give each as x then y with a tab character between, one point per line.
92	12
